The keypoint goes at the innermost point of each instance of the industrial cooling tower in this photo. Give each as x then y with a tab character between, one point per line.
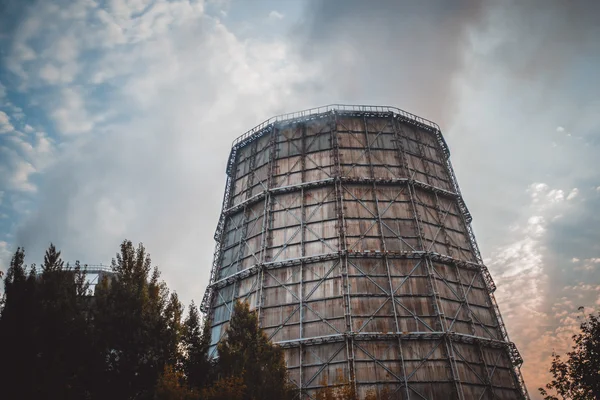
344	229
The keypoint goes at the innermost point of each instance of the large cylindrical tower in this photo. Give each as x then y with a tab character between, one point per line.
344	228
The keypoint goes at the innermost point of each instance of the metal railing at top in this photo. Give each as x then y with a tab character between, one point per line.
313	112
86	268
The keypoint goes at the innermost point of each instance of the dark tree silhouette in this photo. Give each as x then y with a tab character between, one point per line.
248	353
127	341
136	327
578	376
196	341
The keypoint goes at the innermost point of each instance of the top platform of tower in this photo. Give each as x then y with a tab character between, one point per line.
342	109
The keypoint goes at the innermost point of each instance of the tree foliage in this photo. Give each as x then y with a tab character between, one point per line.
129	340
578	376
248	353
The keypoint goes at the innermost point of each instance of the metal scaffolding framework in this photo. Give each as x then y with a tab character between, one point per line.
345	229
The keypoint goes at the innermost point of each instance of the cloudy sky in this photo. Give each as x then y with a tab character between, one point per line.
116	119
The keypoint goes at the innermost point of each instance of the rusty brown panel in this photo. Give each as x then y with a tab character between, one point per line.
354	209
407	267
329	287
292	357
288	165
319	159
484	315
353	156
453	309
325	309
321	212
282	254
317	328
425	137
372	314
321	230
409	131
287	275
379	125
357	244
286	200
286	218
317	174
318	127
348	141
478	297
281	295
478	391
414	305
247	285
320	247
319	195
488	332
370	371
290	131
383	141
507	394
244	153
319	270
418	285
388	172
434	368
286	236
385	157
288	332
410	146
360	192
359	266
240	184
352	124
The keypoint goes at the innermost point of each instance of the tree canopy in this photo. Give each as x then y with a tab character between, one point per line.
129	340
577	376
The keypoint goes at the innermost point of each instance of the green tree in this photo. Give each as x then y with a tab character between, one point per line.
196	341
228	388
18	330
171	386
62	329
136	327
248	353
43	329
578	377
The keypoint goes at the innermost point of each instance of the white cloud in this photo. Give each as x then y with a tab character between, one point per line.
523	269
184	87
5	255
276	15
28	128
574	193
560	129
5	125
2	91
50	74
70	115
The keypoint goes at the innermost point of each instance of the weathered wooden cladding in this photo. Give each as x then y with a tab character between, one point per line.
346	231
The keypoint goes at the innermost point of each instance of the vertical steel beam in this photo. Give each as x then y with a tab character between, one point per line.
384	247
267	222
342	246
302	248
436	301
